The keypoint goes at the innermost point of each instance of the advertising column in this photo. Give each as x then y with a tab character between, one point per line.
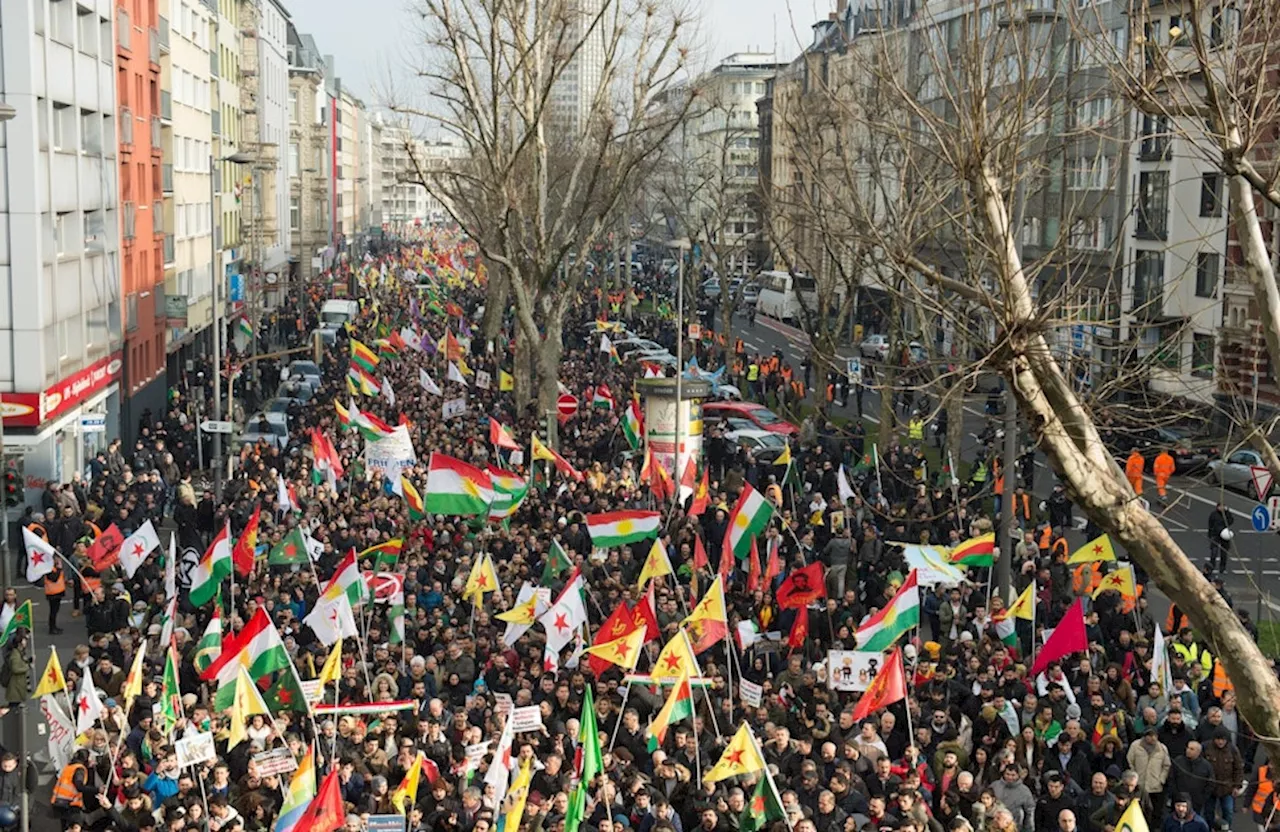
667	420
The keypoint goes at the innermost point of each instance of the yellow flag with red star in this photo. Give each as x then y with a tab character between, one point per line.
483	579
656	564
52	680
524	613
741	756
708	623
1098	550
1121	581
675	659
624	652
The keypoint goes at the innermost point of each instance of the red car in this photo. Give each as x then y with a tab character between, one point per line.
759	415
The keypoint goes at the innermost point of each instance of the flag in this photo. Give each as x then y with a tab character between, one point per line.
301	791
52	680
643	614
624	651
1025	606
506	381
212	568
246	701
1121	580
619	528
517	798
784	458
633	424
522	615
499	437
88	705
331	671
500	769
700	559
285	694
104	551
617	626
763	807
136	548
210	644
384	555
976	551
895	619
606	346
455	374
257	648
1006	628
566	615
755	572
656	564
603	398
509	491
344	414
326	813
332	618
799	629
1068	637
679	705
20	618
842	485
1098	550
40	555
456	488
428	383
750	517
589	738
802	587
291	549
286	499
701	496
395	617
708	622
556	563
246	544
676	659
538	450
371	427
889	686
741	756
405	796
1161	671
482	580
363	357
1132	819
412	499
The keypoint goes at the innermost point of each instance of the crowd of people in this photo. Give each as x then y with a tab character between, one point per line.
976	745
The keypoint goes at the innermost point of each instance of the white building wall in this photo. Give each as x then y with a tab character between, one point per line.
190	40
273	106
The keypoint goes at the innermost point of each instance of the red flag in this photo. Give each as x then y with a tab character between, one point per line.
105	550
700	560
643	615
326	813
246	543
701	496
802	587
1068	637
889	686
726	562
773	566
430	769
754	578
499	437
619	623
799	629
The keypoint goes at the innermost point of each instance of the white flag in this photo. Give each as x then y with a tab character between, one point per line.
282	494
171	568
389	393
315	549
170	613
1160	670
842	483
428	383
62	730
410	338
137	546
565	616
40	555
88	705
499	773
332	618
605	344
456	375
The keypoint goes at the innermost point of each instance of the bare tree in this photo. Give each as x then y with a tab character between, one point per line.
975	114
552	101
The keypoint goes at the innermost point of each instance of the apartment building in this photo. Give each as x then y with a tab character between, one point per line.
190	86
346	112
145	246
62	377
438	155
575	89
227	137
273	126
369	185
404	204
309	170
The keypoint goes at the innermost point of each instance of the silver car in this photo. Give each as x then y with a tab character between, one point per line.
1236	471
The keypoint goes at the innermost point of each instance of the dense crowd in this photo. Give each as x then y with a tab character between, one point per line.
976	746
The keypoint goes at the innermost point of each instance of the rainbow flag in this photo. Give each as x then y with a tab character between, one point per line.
302	790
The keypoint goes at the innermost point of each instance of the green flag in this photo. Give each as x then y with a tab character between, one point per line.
21	618
557	563
210	644
589	736
285	694
291	549
577	809
763	807
170	694
395	617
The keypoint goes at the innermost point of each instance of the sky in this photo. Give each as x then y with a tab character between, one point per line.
370	39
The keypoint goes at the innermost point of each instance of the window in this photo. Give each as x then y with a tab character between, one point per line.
295	213
1153	204
1148	280
1031	231
62	26
1090	233
64	127
1096	112
1202	355
1155	138
294	167
1089	174
1211	194
1208	265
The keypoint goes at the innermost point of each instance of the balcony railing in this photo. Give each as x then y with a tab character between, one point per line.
124	30
153	45
169	256
166	105
126	126
163	34
166	178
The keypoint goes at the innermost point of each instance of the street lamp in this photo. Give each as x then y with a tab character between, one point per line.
237	158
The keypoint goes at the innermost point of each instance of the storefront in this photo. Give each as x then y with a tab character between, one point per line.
57	431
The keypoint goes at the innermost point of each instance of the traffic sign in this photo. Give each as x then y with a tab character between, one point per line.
210	426
1261	518
1273	508
1261	480
567	405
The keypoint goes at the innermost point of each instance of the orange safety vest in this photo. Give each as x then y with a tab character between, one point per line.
1060	545
1164	466
1095	578
1026	505
1175	620
999	486
55	587
65	793
1221	682
1265	790
1131	603
1046	538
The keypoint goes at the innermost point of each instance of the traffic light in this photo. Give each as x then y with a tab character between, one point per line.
14	493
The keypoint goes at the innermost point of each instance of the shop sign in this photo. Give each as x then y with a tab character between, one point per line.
33	409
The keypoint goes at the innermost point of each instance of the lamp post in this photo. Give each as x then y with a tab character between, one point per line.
236	158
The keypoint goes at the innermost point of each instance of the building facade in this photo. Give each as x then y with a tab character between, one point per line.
61	220
575	89
309	170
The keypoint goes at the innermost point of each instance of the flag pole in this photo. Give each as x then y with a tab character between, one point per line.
705	695
728	668
621	710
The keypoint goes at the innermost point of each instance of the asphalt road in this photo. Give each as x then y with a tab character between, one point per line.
1253	572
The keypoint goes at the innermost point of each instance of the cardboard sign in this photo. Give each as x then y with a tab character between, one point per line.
751	693
311	690
385	823
502	703
852	670
454	408
275	761
526	719
482	379
197	749
62	731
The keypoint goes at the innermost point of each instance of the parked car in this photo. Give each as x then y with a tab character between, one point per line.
627	346
764	444
263	427
1236	471
751	294
300	390
759	415
875	346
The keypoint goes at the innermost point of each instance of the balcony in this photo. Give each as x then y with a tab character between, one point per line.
166	105
124	31
156	149
153	46
163	35
169	257
166	178
126	127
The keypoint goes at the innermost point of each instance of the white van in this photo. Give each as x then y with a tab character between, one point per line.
335	313
778	295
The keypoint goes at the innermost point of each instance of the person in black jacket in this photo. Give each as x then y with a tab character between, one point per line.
1193	775
1220	520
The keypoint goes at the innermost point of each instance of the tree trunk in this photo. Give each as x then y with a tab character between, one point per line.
523	370
548	365
496	302
1068	436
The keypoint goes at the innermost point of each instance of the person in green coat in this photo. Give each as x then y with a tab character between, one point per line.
19	669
